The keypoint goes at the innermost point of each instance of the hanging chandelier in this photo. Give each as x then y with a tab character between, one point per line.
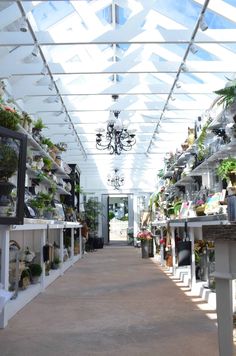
117	137
115	180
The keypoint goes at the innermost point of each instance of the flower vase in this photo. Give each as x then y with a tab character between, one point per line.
145	248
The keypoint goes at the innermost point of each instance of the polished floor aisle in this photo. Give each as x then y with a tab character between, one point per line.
111	303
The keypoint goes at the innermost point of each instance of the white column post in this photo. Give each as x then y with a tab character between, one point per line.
5	238
162	247
172	231
42	243
61	250
193	266
72	232
223	278
80	244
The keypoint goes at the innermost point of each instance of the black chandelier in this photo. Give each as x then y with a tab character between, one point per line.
117	137
115	180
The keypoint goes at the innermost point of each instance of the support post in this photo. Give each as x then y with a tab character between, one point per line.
193	265
172	231
5	238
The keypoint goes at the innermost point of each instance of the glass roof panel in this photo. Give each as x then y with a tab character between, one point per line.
48	13
215	21
184	12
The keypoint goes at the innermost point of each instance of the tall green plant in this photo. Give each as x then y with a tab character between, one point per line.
92	210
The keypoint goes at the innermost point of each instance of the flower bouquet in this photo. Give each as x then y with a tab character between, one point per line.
144	235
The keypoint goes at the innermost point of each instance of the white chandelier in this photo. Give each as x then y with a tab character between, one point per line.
115	180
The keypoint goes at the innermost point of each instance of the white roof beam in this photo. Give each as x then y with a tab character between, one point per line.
116	37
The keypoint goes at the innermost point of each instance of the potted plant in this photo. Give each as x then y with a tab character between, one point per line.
46	143
36	271
38	205
55	263
9	118
62	146
38	125
145	237
200	207
47	164
227	170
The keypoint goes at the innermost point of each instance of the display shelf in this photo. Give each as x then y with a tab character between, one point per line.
22	233
23	298
159	223
223	152
36	147
71	224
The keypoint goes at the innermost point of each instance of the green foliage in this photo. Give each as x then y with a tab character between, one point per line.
78	189
227	95
56	261
39	125
25	273
111	215
42	201
92	210
201	141
124	218
160	173
47	163
9	119
226	167
47	141
177	207
35	269
8	161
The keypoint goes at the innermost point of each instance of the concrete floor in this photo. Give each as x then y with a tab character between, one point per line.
110	303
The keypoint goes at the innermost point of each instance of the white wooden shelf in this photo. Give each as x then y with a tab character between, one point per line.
43	227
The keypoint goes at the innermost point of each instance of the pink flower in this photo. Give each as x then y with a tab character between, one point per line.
144	235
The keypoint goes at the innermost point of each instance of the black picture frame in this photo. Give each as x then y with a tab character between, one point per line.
12	140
